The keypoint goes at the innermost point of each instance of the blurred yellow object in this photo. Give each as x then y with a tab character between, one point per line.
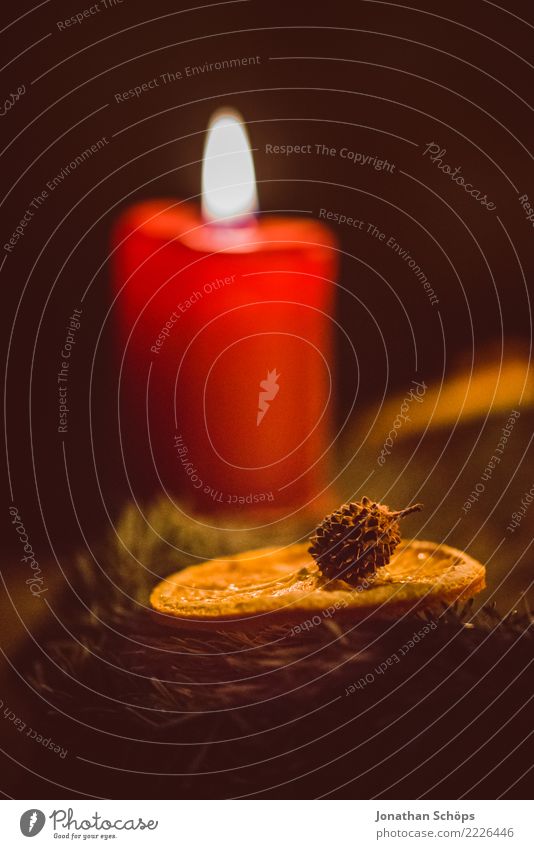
494	388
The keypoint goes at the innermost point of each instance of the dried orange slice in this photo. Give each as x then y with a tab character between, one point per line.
269	586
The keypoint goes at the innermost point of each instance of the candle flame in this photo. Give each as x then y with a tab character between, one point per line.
228	178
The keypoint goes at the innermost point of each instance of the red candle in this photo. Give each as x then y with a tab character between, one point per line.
226	329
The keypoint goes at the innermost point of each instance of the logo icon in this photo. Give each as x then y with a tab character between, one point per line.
31	822
268	391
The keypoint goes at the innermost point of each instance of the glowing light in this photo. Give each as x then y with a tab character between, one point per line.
228	178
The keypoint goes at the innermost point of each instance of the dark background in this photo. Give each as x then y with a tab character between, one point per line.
374	77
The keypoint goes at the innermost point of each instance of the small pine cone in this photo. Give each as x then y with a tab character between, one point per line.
352	542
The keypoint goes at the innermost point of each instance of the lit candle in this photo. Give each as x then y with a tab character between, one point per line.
226	331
